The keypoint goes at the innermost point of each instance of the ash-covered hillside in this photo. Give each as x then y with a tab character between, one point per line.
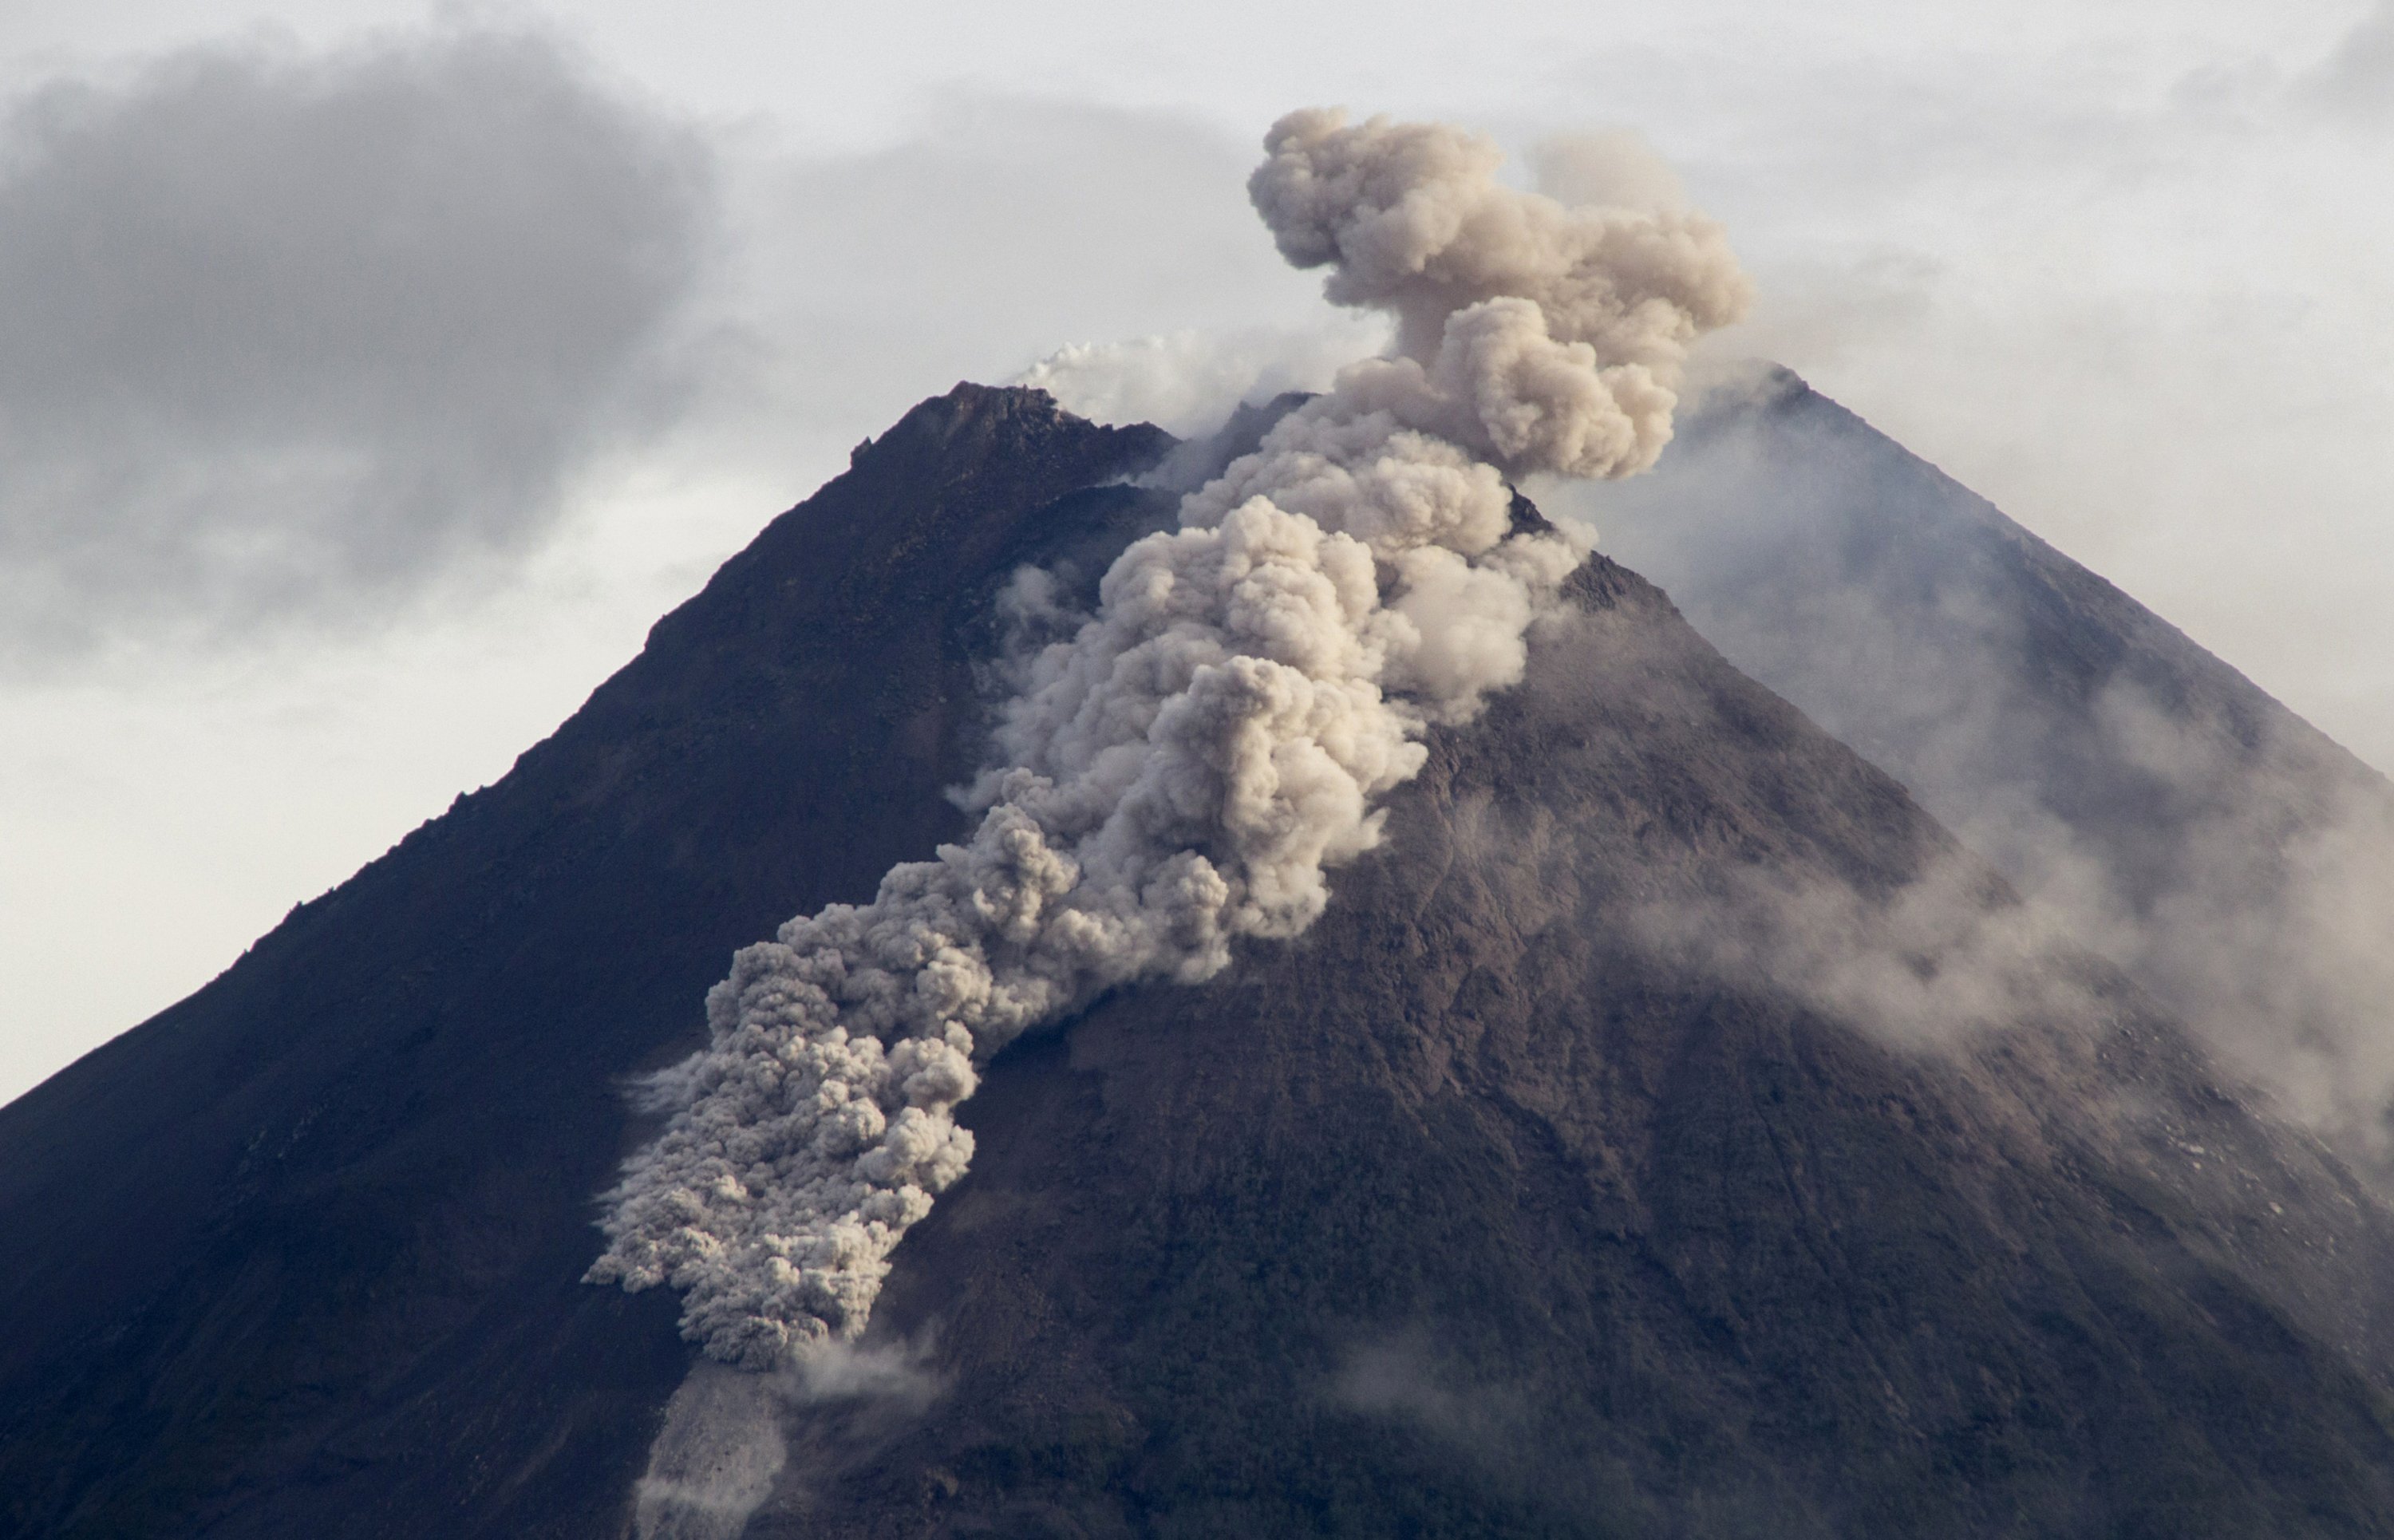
1671	1130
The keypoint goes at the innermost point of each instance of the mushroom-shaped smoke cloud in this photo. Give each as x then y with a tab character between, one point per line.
1186	767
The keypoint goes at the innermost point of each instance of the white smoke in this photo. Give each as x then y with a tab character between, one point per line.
1189	383
1187	765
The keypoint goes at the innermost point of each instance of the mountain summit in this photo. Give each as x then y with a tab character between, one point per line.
1671	1130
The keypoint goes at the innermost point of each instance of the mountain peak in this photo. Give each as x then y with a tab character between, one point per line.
934	425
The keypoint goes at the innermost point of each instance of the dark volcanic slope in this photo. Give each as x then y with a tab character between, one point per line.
300	1255
1491	1207
2237	860
1561	1181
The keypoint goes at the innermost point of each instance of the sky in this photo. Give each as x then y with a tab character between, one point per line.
374	374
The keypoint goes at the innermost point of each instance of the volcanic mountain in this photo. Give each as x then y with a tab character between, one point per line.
1671	1130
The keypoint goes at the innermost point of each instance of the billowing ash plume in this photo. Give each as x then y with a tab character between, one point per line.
1184	767
1546	337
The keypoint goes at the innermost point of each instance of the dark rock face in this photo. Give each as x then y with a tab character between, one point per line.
1551	1185
2236	859
301	1255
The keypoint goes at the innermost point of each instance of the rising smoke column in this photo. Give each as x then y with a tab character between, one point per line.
1185	767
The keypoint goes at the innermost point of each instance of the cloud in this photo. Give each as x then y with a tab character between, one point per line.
994	230
2357	80
2013	258
291	334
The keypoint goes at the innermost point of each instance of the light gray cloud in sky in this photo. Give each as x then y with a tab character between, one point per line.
991	232
2358	78
292	334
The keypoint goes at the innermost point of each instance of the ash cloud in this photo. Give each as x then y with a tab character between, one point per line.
1557	333
1597	187
1184	769
298	333
1610	169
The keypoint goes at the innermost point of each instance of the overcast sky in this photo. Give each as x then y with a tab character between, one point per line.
373	375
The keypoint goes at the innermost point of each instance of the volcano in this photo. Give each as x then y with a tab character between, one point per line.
1673	1129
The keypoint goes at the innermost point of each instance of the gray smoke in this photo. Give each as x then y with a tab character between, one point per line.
1944	962
1542	336
1185	767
